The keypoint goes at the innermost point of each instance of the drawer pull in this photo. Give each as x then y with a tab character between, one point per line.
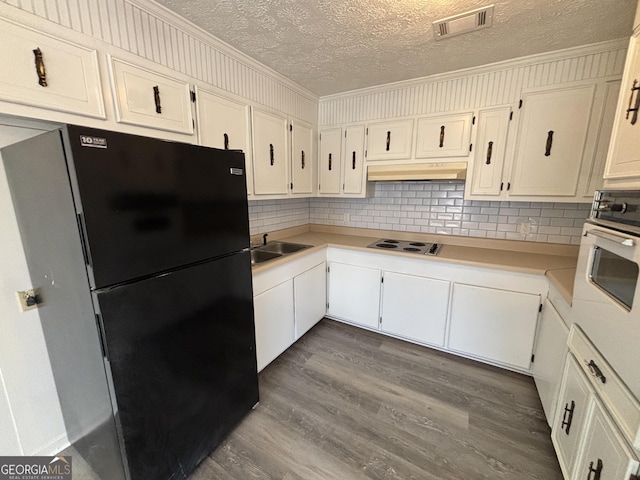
226	141
568	416
596	471
271	157
489	153
596	372
547	151
441	136
388	140
156	99
40	70
636	106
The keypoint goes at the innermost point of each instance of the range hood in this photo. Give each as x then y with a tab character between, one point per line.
417	171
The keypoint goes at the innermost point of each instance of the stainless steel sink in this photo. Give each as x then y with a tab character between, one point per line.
282	248
273	250
259	256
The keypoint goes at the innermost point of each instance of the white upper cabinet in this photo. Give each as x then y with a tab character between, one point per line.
47	72
150	99
270	153
390	140
443	136
302	158
551	141
490	149
623	160
354	170
330	161
224	124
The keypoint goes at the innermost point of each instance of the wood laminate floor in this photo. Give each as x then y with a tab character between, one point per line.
344	403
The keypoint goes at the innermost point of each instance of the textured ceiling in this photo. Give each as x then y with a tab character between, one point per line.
331	46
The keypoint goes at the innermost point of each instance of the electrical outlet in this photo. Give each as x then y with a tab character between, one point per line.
525	228
29	299
346	217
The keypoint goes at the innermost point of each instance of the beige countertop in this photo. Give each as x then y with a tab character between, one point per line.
555	261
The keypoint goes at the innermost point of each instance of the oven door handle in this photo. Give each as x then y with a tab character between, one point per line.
619	239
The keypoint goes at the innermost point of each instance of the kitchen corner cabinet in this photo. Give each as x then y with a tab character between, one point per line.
224	124
623	159
443	136
354	294
47	72
302	158
341	166
270	153
551	351
310	298
150	99
490	149
497	325
551	141
415	307
390	140
274	322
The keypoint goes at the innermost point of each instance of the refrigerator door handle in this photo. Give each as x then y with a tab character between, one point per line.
103	345
83	240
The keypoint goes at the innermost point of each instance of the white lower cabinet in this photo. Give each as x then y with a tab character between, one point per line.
604	455
274	319
354	293
551	350
497	325
571	413
415	307
288	300
310	298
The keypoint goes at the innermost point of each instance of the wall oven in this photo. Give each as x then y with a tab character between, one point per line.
606	301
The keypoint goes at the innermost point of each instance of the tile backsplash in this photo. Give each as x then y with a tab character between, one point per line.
428	207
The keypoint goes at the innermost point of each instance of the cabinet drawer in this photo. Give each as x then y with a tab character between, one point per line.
71	79
619	401
150	99
443	136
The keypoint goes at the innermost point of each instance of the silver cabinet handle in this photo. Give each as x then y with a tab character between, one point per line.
612	237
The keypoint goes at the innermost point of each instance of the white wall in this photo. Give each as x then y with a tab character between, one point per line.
30	417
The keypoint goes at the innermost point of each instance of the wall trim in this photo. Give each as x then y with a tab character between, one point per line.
529	60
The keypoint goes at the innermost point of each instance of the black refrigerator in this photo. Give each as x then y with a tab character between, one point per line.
139	249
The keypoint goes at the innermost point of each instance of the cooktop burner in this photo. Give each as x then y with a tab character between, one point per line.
407	246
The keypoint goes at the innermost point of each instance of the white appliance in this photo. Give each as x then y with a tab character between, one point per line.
606	300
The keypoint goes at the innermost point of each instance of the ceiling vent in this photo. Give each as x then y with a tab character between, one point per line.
463	23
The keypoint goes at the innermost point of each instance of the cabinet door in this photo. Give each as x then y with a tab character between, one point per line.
497	325
574	402
274	318
329	161
551	141
150	99
415	307
605	455
490	149
623	159
302	158
224	124
551	350
354	294
71	79
389	140
443	136
270	154
353	164
310	295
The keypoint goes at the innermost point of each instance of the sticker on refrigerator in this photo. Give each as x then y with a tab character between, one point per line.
95	142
